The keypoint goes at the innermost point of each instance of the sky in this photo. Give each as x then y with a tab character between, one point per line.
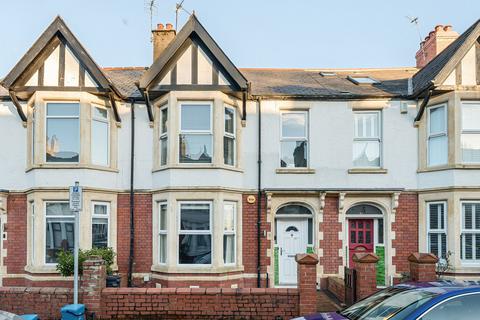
253	33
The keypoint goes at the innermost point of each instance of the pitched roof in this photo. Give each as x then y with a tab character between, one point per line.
124	79
439	68
193	27
309	83
57	28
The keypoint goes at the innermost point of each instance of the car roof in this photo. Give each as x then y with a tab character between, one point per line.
442	286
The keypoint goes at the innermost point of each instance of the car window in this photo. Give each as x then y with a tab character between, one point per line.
464	307
388	303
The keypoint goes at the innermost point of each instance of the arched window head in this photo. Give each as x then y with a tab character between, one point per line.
364	209
294	209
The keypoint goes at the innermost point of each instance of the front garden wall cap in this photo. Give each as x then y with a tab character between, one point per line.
306	258
423	258
365	257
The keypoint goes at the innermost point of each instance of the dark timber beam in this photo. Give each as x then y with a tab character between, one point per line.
114	107
146	97
17	105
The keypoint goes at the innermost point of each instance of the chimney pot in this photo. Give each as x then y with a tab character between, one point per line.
169	26
161	38
447	28
438	28
160	26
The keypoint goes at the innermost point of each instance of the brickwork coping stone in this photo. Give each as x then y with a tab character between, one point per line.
365	266
423	267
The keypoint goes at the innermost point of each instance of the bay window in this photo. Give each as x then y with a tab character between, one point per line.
470	238
195	233
229	137
437	228
196	134
367	139
229	230
163	135
59	236
162	232
470	139
100	136
63	132
100	224
294	139
437	135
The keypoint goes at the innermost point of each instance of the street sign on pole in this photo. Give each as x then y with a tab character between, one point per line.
76	199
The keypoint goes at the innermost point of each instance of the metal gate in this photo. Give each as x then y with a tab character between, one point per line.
350	286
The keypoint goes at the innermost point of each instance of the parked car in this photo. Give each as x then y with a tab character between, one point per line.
442	300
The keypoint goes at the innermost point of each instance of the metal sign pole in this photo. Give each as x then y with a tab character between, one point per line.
75	259
76	207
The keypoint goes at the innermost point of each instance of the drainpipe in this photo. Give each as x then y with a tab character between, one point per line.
259	195
132	202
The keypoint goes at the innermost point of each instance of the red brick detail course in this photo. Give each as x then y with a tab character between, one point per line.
249	225
143	233
330	243
16	228
406	230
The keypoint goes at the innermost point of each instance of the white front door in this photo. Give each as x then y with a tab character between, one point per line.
292	238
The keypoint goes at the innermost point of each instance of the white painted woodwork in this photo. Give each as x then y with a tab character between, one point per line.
292	238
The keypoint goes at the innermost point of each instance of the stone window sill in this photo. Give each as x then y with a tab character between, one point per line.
450	167
295	171
203	166
71	166
51	269
367	171
196	269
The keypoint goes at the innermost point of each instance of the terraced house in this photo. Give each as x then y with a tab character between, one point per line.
198	173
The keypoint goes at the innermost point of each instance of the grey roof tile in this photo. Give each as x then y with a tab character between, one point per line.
124	79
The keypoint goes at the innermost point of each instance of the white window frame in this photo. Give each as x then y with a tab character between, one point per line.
378	138
192	232
474	231
295	139
230	233
44	249
99	216
79	117
463	131
163	135
196	132
439	134
105	121
230	135
162	232
437	231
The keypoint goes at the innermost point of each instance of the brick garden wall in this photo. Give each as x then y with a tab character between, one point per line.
46	302
210	303
406	230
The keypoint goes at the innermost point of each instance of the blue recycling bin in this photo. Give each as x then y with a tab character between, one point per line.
73	312
29	317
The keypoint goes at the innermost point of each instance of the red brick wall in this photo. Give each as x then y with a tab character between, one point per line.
249	225
330	243
46	302
211	303
336	286
16	228
406	230
143	233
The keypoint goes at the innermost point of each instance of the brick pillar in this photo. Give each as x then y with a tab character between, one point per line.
422	266
93	282
365	265
307	282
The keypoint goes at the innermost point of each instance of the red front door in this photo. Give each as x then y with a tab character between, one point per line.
360	237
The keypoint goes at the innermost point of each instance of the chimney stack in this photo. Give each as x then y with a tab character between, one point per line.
161	38
434	43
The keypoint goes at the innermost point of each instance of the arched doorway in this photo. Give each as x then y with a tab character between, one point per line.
365	229
293	234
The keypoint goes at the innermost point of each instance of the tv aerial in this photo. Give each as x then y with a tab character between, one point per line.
415	21
179	7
